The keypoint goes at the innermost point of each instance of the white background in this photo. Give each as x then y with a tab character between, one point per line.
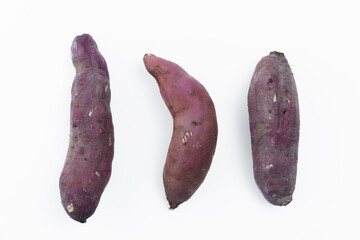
217	42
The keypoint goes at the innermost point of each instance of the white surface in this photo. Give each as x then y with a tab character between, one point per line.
217	42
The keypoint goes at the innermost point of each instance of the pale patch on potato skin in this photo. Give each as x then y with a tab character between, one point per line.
193	142
70	208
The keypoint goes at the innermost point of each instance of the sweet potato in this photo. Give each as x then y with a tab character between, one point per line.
88	162
274	126
194	137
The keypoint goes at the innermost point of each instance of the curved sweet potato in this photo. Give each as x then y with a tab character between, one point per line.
88	163
274	126
193	142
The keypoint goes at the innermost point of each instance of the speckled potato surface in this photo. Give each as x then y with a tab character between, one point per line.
274	127
88	162
193	142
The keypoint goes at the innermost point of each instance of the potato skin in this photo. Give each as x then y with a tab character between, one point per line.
88	162
195	130
274	127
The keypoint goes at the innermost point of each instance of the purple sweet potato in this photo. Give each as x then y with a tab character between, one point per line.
193	142
88	162
274	126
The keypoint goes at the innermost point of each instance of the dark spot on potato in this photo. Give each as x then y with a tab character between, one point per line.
193	93
185	107
174	160
196	123
270	111
284	111
81	151
270	81
81	83
74	125
85	159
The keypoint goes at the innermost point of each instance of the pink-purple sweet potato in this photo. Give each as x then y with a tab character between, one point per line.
274	126
88	162
193	142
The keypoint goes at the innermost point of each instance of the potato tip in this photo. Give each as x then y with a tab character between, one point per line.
283	201
173	205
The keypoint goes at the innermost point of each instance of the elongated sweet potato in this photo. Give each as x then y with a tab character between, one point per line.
88	163
193	142
274	126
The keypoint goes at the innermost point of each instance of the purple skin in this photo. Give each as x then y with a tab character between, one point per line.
274	126
87	167
193	142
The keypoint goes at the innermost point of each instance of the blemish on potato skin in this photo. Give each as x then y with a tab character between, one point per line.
269	166
196	123
184	139
70	207
97	174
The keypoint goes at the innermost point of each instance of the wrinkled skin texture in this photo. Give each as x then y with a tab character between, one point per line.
193	142
88	162
274	126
